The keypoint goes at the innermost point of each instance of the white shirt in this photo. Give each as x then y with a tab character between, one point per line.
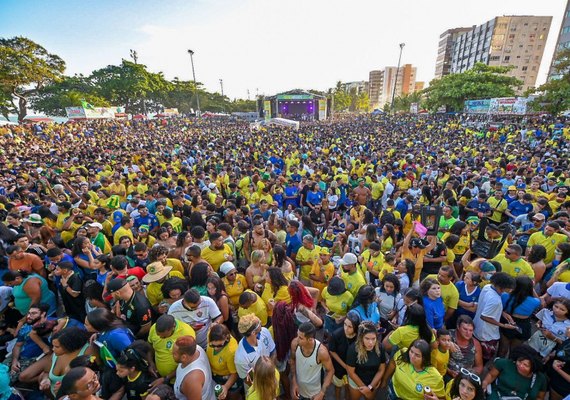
200	319
491	306
558	328
246	356
559	289
203	365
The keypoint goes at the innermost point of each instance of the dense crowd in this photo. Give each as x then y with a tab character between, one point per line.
422	257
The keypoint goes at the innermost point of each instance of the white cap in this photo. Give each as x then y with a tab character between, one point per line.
212	186
348	259
95	225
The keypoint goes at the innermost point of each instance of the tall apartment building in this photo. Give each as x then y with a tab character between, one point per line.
503	41
563	40
445	50
381	84
357	86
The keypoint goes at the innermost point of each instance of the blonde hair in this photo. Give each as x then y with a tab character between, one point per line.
264	382
257	255
365	328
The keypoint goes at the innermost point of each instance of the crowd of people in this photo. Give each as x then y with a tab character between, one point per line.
418	257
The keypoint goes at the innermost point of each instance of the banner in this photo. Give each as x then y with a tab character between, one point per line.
322	110
294	97
267	109
170	111
75	112
501	105
414	108
477	106
93	113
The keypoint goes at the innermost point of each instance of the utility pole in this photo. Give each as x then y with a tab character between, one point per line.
135	57
222	86
396	80
194	77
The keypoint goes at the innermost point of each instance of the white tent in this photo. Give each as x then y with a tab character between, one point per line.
288	123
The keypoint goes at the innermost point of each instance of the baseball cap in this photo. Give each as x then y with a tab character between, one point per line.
415	242
227	267
95	225
116	284
348	259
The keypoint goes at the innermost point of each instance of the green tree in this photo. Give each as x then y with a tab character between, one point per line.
341	99
362	102
68	92
481	81
554	95
243	105
132	86
403	103
25	68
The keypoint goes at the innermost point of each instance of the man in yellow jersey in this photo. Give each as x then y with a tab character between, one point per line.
352	278
217	252
308	253
124	230
161	337
512	262
322	270
550	239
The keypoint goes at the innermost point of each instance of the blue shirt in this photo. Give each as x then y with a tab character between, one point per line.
518	208
525	309
478	206
29	348
116	340
314	197
468	298
293	244
435	311
149	220
372	313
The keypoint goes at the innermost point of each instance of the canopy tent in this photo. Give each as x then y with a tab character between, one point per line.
38	119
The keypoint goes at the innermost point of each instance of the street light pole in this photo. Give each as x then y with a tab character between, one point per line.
135	57
396	80
222	86
194	77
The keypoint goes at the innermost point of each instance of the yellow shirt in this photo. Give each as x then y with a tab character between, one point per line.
500	205
235	289
176	265
409	384
405	335
340	304
258	308
163	347
216	257
353	281
462	246
417	259
222	362
515	268
327	270
440	360
305	254
449	294
549	242
120	232
154	289
281	295
253	395
375	262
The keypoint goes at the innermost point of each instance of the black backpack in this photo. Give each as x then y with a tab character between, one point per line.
387	217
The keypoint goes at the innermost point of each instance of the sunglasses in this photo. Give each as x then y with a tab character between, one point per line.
470	374
219	346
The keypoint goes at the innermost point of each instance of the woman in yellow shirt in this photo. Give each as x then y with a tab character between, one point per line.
276	289
265	385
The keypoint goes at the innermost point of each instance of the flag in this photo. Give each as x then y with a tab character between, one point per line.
86	105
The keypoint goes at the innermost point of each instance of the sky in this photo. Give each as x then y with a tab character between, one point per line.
260	46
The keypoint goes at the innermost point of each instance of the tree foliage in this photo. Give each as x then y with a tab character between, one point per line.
554	95
25	68
403	102
482	81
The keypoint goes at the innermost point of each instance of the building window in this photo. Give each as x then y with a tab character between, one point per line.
507	59
512	36
524	68
566	29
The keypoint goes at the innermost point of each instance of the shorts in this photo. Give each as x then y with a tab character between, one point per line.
489	349
352	384
340	382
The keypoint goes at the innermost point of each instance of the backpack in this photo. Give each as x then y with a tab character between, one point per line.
387	217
